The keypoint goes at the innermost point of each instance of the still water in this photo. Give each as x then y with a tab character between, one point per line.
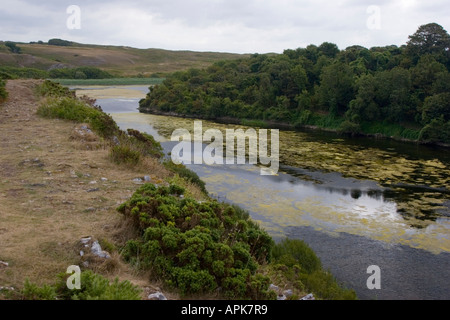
356	202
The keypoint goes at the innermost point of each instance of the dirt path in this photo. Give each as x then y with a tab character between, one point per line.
53	192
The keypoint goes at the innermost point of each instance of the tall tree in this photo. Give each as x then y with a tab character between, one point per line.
430	38
337	87
329	49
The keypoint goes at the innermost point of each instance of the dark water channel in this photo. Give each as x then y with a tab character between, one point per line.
356	202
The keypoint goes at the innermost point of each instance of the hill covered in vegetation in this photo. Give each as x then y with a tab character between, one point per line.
45	59
392	91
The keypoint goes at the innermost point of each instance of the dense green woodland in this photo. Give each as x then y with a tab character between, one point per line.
81	73
393	91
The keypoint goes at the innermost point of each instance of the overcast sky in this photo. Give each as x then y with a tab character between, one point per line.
240	26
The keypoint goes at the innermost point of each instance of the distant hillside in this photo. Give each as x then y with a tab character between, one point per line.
119	61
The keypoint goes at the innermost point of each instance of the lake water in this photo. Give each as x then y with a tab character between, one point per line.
356	202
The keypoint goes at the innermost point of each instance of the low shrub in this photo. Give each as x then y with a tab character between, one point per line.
96	287
66	108
93	287
146	143
124	155
5	75
52	89
32	291
23	73
3	92
196	247
103	124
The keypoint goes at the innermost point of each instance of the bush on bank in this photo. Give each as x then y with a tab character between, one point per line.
197	247
211	247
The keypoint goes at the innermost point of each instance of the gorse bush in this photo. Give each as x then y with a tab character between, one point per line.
103	124
199	247
5	75
52	89
146	143
96	287
124	155
31	291
195	246
93	287
135	145
3	92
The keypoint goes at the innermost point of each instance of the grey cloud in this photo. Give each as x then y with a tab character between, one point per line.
225	25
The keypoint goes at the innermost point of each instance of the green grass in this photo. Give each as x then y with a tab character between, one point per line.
61	103
67	109
305	271
390	130
325	121
109	82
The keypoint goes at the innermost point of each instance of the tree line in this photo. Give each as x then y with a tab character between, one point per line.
401	91
56	73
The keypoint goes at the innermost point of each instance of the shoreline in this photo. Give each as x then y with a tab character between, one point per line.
285	126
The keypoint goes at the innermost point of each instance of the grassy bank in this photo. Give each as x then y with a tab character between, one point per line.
340	125
191	244
395	131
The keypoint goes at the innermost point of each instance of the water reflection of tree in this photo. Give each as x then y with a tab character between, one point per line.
419	206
